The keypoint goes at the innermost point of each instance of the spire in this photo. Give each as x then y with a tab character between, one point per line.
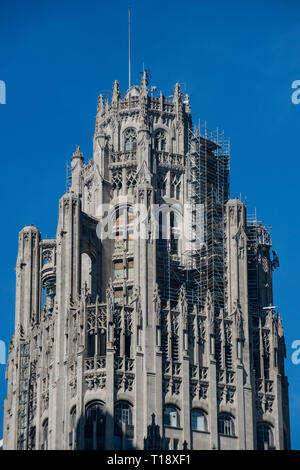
129	50
116	92
144	89
100	103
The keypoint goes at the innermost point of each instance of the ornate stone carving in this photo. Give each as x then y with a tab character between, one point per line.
209	309
136	302
157	305
110	301
238	318
144	176
182	306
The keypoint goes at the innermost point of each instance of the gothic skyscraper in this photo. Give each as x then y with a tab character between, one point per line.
133	330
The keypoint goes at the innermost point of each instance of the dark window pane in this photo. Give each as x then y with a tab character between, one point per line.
91	345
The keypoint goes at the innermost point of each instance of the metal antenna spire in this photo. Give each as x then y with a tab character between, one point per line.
129	61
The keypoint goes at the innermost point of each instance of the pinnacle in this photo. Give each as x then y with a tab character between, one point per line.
116	90
77	153
144	82
177	93
100	102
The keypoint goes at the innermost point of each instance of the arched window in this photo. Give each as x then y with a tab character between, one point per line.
123	426
171	417
96	342
175	183
130	140
91	344
162	183
101	350
226	425
94	432
198	422
48	293
45	435
264	437
160	141
72	434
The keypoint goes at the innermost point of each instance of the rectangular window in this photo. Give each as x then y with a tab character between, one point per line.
130	244
118	295
118	270
130	268
119	219
101	343
129	294
91	345
198	423
119	243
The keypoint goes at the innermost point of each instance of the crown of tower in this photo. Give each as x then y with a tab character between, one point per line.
138	98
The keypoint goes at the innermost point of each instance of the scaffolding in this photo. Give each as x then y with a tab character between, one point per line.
201	266
208	188
258	236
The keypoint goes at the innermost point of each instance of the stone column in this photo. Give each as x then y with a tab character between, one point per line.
110	395
237	276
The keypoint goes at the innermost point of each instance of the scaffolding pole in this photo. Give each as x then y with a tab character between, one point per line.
208	186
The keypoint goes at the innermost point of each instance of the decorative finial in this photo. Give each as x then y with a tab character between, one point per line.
77	153
144	81
100	103
116	91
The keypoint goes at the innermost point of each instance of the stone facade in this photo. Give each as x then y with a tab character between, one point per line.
147	342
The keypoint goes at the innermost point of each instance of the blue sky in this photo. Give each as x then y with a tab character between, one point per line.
237	60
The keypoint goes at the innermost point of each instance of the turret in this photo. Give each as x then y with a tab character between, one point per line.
27	279
76	168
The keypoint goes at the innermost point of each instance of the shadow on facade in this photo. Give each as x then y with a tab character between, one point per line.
154	440
98	430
